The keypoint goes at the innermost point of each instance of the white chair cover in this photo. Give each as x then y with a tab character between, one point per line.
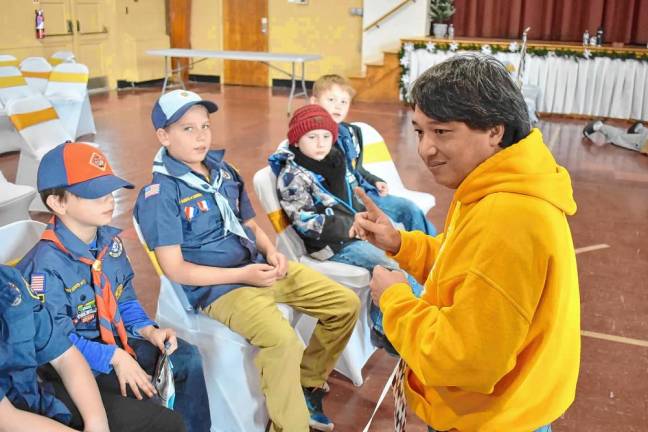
17	239
14	201
67	90
41	130
36	71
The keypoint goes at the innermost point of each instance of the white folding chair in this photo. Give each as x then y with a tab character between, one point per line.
378	161
17	239
233	383
41	130
61	57
8	60
12	86
67	90
359	347
36	71
14	201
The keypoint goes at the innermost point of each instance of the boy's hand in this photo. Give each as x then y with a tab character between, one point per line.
130	373
159	338
279	261
260	275
383	188
382	279
374	226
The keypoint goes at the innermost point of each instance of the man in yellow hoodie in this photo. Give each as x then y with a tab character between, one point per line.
493	344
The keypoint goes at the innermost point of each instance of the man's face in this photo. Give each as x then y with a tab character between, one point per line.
452	150
189	138
336	100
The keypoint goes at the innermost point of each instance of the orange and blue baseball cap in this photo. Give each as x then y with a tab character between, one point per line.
80	168
170	107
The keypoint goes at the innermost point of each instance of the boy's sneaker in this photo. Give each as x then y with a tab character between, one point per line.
591	127
318	419
636	128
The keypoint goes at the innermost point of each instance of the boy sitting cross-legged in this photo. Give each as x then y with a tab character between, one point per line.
197	217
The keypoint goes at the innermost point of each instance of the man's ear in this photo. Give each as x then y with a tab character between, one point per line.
162	136
57	204
496	134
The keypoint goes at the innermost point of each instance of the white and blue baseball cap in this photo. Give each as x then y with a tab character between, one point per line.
170	107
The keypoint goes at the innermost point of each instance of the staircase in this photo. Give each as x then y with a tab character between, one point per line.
380	82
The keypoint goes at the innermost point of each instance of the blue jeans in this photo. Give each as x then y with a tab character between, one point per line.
363	254
402	210
191	392
542	429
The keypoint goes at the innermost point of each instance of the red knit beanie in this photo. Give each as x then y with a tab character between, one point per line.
308	118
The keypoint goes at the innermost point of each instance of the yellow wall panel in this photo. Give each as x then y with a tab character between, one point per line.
207	33
320	27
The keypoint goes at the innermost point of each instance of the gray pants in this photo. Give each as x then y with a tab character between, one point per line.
619	137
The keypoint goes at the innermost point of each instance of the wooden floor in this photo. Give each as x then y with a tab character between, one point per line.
610	186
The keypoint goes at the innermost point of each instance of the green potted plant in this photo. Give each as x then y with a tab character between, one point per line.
440	12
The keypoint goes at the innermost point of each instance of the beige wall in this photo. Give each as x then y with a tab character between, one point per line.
207	33
322	27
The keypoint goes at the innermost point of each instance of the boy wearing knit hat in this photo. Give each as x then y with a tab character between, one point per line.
316	192
197	217
81	271
334	93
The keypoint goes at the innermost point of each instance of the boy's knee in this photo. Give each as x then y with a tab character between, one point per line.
187	356
351	304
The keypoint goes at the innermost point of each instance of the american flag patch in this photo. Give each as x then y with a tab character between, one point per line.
151	190
203	206
38	283
190	212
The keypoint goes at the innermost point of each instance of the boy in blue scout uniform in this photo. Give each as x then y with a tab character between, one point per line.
197	217
82	272
28	339
334	93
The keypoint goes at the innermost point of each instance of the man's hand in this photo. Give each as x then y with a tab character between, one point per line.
160	337
383	188
382	279
260	275
374	226
279	261
130	373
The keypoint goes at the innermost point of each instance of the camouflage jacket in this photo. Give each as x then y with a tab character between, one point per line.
320	218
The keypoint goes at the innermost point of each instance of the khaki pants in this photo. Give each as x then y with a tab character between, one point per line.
283	363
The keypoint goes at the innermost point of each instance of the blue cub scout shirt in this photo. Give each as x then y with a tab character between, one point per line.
65	285
172	212
28	339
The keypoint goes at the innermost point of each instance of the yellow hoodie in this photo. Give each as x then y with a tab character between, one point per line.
493	344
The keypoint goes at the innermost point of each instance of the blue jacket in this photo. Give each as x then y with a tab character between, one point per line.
28	339
65	285
171	212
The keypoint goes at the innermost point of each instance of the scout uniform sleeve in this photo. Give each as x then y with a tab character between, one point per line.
97	354
158	213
